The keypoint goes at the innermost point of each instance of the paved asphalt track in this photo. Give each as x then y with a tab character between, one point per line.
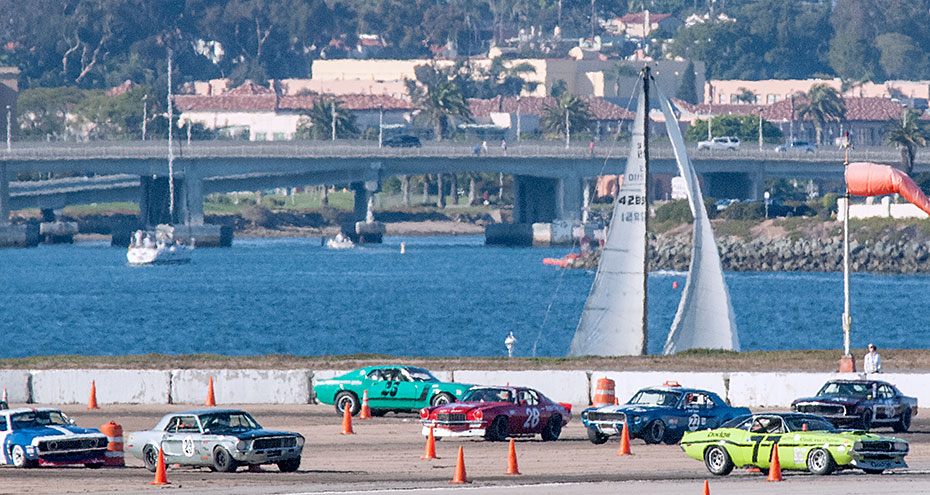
383	457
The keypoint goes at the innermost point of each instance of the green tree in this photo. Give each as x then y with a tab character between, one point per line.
112	117
554	116
745	96
746	127
438	102
687	91
42	112
317	123
823	105
907	135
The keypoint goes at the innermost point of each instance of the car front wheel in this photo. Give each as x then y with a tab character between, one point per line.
865	422
654	432
150	458
223	461
819	461
552	429
290	465
718	461
596	437
904	422
18	455
497	432
347	399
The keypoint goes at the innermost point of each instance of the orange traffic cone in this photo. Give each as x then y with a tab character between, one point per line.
616	401
430	452
161	475
460	476
347	420
4	395
512	460
211	400
706	488
366	411
624	442
92	402
775	465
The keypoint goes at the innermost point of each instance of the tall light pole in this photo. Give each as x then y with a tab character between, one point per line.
145	113
760	129
334	119
518	118
9	129
568	129
380	126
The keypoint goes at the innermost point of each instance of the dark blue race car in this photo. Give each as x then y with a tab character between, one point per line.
660	414
47	437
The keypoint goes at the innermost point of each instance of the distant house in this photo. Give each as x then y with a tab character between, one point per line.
915	94
643	24
258	113
501	115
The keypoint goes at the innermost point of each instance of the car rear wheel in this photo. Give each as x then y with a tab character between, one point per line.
290	465
347	399
865	422
596	437
150	458
498	430
819	461
223	461
93	465
717	460
904	422
441	399
654	432
552	429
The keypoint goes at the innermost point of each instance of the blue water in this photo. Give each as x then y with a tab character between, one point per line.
448	296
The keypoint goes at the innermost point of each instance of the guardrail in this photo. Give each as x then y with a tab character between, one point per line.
41	151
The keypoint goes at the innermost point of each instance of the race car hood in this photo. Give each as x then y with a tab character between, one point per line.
252	434
830	399
57	431
465	407
632	408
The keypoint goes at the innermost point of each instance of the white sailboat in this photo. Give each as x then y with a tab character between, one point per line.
614	321
160	246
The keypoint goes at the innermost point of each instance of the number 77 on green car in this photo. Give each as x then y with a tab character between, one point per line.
390	388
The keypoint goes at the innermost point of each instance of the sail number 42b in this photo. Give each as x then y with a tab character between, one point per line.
631	200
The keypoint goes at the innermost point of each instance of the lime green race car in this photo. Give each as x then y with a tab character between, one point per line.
805	442
390	388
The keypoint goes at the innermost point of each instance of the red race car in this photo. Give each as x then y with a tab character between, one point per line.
497	413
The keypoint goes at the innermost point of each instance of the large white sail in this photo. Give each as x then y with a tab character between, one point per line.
613	322
705	317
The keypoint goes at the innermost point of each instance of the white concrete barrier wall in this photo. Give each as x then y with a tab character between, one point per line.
774	389
558	385
16	383
627	383
242	386
113	386
910	384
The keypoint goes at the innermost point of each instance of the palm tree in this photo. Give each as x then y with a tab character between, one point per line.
439	105
554	116
907	135
824	105
317	123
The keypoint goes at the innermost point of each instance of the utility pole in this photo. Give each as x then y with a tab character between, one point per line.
568	129
9	129
518	118
380	126
334	119
760	129
145	113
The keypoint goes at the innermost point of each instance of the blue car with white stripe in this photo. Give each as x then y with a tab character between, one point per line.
660	414
47	437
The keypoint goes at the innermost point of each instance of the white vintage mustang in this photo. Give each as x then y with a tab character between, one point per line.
222	439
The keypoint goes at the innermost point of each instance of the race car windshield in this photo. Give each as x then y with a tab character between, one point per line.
857	390
655	398
488	395
421	375
807	423
228	421
38	418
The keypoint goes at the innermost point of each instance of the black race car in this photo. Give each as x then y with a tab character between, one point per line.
860	404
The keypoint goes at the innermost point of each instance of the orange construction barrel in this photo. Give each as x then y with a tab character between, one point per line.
114	455
604	392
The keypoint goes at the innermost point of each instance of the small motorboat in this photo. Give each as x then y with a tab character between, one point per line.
158	248
340	242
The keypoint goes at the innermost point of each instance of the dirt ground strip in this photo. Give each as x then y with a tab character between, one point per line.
385	454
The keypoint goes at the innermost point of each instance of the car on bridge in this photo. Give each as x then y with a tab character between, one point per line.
720	143
796	146
405	141
390	388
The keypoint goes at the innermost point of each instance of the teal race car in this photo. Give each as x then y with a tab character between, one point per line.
805	442
390	388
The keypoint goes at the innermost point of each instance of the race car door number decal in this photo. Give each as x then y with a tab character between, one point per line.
532	418
390	388
694	422
188	446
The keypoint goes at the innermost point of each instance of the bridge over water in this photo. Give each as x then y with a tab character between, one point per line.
550	180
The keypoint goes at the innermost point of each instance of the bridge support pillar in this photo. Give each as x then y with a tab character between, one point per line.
13	235
545	210
153	201
192	200
365	230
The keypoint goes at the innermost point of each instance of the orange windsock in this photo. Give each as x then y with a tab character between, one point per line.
161	475
775	466
624	442
872	179
92	401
